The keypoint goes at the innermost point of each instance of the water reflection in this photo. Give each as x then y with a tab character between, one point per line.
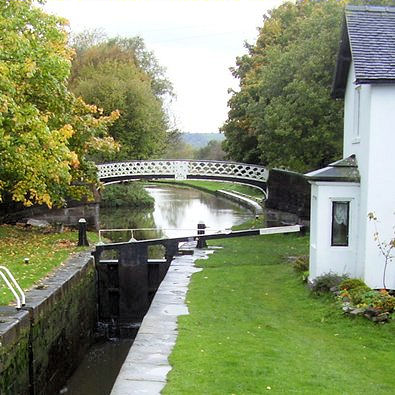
128	218
176	208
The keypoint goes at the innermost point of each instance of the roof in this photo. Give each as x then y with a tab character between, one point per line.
344	170
368	38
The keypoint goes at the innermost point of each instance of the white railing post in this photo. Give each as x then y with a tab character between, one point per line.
4	272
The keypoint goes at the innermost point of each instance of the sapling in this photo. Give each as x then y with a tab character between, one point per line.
386	248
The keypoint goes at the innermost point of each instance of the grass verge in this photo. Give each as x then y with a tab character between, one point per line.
254	327
45	251
212	186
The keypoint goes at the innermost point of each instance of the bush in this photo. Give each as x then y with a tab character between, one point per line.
327	281
351	283
378	300
301	264
130	195
305	276
357	294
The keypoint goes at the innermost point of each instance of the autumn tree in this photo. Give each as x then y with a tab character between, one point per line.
120	73
46	134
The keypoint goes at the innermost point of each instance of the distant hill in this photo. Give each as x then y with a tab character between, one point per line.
200	140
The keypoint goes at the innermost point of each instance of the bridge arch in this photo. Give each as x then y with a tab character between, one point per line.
243	173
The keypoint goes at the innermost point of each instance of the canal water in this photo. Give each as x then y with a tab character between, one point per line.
177	212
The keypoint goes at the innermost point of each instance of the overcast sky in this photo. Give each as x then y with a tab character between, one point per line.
195	40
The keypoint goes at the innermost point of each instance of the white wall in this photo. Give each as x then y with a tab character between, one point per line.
378	187
374	147
375	153
325	258
353	142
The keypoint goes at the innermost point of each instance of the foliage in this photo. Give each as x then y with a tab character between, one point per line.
357	294
350	283
327	281
283	115
177	147
212	151
192	146
366	298
45	251
200	140
301	263
94	46
121	73
379	300
45	133
252	325
131	195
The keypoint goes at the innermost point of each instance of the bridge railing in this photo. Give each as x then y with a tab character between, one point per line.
181	169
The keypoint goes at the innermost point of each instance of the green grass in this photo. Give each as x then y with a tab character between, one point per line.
254	328
212	186
45	251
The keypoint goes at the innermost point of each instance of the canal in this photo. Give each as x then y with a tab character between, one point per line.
177	212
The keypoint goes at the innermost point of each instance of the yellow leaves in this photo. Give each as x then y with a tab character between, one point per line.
105	144
114	115
45	198
74	161
30	67
66	131
3	104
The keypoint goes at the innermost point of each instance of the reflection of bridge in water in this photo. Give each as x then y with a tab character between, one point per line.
242	173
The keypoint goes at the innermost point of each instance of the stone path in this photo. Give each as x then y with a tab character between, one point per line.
146	366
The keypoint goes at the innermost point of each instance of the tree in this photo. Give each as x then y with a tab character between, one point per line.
176	148
283	114
45	132
120	73
212	151
94	46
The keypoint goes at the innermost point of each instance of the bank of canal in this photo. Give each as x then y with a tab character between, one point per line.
175	208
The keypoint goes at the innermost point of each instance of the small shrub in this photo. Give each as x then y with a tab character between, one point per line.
301	264
327	281
351	283
130	195
305	276
358	294
379	300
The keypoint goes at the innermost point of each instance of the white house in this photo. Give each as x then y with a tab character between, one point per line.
344	193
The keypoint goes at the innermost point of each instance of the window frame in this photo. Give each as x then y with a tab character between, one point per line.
357	114
348	203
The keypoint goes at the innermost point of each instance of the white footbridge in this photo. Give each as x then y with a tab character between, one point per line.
253	175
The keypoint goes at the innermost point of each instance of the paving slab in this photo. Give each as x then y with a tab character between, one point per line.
146	367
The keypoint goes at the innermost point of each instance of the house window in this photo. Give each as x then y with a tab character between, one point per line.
340	223
357	110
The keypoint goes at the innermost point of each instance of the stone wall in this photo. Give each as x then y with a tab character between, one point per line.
43	342
68	216
288	192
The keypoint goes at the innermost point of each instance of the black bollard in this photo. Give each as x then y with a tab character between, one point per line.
201	243
82	237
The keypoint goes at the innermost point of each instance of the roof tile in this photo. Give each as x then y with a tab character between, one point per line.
371	32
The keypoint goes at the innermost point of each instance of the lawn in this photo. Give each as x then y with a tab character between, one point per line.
254	328
45	251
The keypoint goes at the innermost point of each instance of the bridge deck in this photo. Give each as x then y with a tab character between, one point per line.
249	174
